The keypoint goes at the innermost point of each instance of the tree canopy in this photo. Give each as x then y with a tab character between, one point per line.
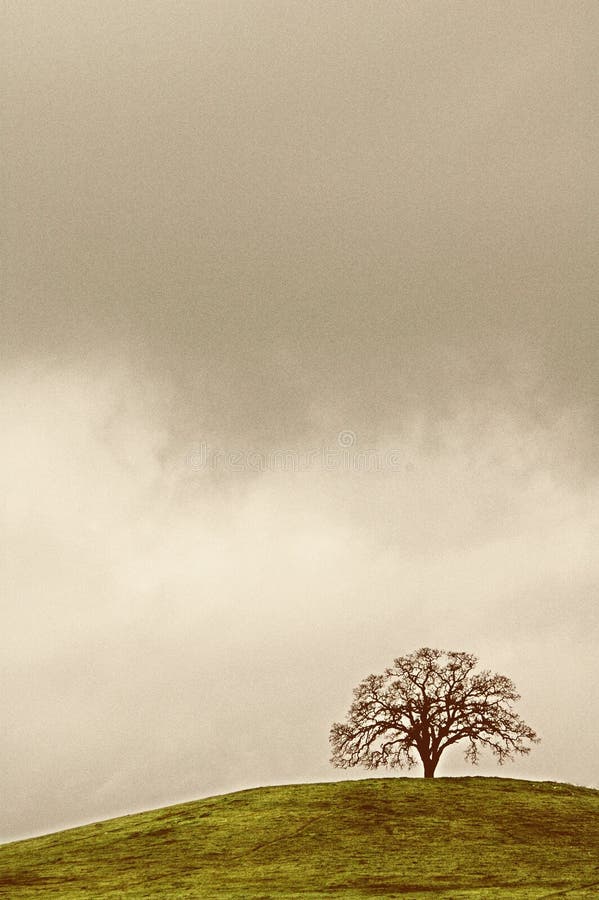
424	703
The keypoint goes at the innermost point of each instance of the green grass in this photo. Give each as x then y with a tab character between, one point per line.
393	837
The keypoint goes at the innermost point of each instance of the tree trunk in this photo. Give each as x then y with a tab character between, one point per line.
429	768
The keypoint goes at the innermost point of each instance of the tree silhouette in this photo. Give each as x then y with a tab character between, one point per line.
424	703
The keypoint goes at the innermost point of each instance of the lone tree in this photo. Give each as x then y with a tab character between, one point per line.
423	704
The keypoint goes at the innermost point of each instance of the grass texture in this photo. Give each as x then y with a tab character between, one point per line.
393	837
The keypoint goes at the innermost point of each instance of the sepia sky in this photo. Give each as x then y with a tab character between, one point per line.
299	373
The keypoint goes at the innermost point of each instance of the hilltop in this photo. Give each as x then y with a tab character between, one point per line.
392	837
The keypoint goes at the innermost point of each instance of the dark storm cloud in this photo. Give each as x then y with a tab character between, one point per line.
365	208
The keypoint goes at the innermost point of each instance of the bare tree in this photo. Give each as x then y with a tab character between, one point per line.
423	704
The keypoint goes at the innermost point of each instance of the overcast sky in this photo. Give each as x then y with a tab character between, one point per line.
247	242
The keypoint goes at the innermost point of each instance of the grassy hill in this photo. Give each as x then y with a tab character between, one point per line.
393	837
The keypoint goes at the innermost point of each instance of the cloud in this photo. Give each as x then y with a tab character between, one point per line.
326	211
170	634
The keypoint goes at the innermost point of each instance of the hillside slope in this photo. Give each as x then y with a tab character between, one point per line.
399	837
